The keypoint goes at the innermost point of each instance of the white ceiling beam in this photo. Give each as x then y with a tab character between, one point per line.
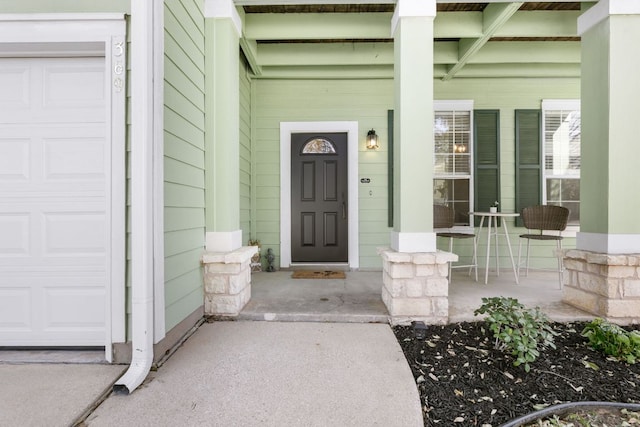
329	72
511	70
307	26
494	16
386	71
325	54
536	52
284	26
348	54
250	50
535	23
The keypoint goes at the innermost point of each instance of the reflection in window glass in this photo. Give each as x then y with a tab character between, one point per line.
454	193
562	137
319	146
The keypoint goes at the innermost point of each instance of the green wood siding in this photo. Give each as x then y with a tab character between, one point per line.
184	158
364	101
367	101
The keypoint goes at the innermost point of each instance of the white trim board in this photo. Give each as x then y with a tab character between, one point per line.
55	32
286	129
608	243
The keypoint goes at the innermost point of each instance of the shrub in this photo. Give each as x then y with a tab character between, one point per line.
613	340
520	330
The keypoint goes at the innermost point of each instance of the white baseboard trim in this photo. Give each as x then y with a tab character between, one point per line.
413	242
223	241
608	243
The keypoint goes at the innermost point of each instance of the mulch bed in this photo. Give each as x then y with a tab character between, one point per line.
463	380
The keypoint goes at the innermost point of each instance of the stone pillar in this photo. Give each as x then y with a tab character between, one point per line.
602	275
227	281
607	286
416	286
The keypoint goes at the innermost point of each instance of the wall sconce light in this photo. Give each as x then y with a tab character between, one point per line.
372	140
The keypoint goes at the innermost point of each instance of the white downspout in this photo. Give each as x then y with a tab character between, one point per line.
141	170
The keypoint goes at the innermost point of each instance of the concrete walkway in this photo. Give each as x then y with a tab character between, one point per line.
229	374
38	395
275	374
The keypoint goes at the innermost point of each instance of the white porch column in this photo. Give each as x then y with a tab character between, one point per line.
602	273
227	274
414	272
223	28
412	30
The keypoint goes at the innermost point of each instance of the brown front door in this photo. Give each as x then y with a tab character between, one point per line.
319	226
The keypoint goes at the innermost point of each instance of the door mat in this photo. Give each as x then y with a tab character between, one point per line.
308	274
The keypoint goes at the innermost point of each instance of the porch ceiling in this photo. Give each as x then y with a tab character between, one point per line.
342	39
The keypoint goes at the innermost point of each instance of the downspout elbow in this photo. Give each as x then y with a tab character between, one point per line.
141	362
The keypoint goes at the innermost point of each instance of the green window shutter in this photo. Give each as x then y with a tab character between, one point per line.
528	162
486	159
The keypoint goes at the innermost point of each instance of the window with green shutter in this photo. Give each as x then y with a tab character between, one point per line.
486	159
453	150
528	159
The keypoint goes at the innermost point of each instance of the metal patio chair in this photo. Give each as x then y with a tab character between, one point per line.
444	217
543	218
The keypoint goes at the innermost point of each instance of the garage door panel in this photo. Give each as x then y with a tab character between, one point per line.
88	308
14	159
15	232
52	90
74	158
74	234
87	81
53	159
14	87
15	309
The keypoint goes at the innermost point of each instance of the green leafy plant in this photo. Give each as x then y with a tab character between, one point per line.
613	340
520	330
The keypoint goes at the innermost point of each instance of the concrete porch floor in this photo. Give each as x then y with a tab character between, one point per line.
278	297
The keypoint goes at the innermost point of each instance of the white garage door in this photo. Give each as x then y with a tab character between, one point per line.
54	204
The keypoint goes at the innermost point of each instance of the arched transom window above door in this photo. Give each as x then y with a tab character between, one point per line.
319	146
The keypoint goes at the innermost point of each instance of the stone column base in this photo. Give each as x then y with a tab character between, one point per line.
415	285
227	281
607	286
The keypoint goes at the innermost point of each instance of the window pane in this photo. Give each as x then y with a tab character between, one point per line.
454	193
462	121
562	142
452	161
462	164
565	192
562	160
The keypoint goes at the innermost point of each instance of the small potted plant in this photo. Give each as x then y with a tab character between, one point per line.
494	207
256	265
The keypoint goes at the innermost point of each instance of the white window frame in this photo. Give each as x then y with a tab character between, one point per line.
460	105
555	105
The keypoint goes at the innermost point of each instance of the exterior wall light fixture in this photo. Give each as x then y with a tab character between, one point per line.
372	140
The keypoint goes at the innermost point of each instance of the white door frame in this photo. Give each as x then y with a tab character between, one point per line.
99	34
288	128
